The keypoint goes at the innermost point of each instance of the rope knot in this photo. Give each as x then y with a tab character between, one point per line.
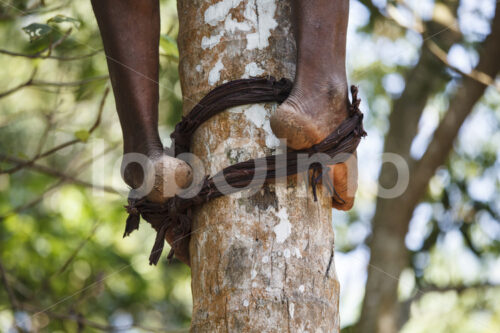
133	219
172	220
131	209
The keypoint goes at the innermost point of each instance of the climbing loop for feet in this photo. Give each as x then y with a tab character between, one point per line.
172	219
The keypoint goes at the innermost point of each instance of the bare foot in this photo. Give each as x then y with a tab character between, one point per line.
163	178
309	115
311	112
319	102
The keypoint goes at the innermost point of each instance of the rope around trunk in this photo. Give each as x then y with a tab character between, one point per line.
173	218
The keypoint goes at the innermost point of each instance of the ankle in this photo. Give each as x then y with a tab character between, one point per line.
133	173
323	92
148	147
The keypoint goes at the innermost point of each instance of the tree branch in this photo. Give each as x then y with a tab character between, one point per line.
33	202
76	251
8	289
460	288
38	55
51	151
54	173
31	82
474	74
80	319
54	186
406	305
449	25
35	9
35	83
11	295
20	86
462	104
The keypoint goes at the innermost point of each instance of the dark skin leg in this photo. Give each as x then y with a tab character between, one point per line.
132	51
316	106
318	102
130	31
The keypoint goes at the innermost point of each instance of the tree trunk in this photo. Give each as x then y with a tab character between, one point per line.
262	262
389	255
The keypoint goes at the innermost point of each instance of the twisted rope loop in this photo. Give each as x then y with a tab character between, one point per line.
172	219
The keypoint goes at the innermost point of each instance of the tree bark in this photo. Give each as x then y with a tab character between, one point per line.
389	255
262	262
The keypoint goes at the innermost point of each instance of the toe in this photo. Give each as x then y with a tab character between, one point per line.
345	180
171	176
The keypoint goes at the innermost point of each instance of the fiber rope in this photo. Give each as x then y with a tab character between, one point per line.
172	219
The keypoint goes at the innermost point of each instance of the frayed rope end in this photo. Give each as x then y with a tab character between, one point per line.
133	218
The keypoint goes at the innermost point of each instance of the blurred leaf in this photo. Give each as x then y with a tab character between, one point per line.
22	154
169	46
82	135
61	19
37	30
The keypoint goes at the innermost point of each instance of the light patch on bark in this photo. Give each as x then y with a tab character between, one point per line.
259	116
297	252
260	15
284	228
265	11
214	75
231	25
271	140
218	11
210	42
251	70
256	114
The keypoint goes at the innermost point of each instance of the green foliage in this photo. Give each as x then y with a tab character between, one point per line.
82	135
61	18
36	31
61	244
169	46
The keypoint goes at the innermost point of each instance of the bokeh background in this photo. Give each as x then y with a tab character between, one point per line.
64	265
